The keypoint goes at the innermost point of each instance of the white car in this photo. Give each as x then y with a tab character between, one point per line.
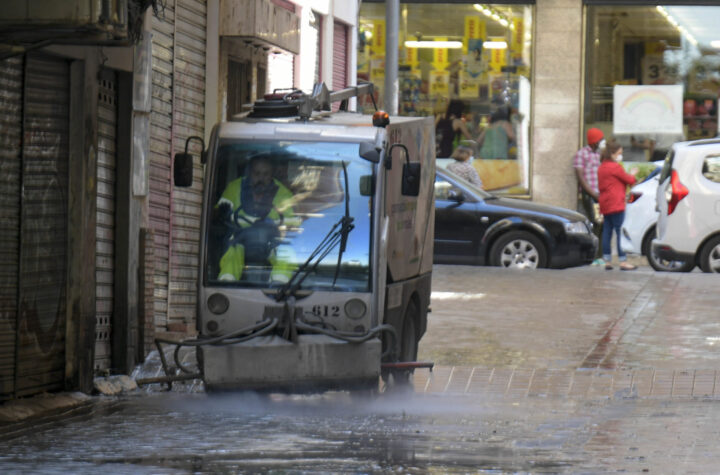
641	217
688	199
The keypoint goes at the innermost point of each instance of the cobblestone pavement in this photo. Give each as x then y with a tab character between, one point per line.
551	371
581	318
517	383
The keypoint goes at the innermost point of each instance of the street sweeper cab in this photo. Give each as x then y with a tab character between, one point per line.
316	245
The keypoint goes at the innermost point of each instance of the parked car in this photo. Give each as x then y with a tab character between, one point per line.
473	226
688	199
639	227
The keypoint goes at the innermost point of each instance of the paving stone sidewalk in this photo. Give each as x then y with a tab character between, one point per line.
562	383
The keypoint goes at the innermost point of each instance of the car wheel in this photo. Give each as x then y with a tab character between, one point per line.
518	250
710	255
660	264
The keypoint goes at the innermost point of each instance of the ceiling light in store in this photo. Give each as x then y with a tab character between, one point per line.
495	45
495	15
715	44
435	44
682	30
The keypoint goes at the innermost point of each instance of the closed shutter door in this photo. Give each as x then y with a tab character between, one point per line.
339	58
105	227
43	229
160	138
188	120
11	75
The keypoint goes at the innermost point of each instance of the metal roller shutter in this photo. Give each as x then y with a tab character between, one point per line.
43	226
188	120
105	227
11	77
340	45
163	29
178	48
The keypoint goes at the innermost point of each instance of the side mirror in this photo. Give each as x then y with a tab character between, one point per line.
454	195
410	185
411	179
367	185
183	169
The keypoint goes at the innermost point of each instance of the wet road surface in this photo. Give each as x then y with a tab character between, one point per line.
574	371
194	433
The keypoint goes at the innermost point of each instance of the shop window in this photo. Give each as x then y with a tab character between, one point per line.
652	75
468	60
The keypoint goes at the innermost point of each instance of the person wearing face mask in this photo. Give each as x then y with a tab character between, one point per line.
613	181
258	205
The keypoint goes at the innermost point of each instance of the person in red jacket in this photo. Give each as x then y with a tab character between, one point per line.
613	181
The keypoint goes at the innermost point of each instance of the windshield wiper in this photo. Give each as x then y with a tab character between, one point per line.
338	234
347	225
332	239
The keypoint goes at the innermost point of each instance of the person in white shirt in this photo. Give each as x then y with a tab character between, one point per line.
462	166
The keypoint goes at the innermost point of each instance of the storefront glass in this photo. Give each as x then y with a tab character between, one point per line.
470	64
652	75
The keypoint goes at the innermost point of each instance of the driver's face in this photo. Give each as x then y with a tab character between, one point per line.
261	174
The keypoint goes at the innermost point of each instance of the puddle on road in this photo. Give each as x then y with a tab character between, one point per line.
335	432
328	433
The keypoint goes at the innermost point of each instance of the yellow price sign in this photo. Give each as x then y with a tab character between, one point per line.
378	38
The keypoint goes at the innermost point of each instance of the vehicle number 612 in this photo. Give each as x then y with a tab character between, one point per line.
326	310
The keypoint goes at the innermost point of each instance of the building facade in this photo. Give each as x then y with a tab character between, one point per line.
558	67
99	248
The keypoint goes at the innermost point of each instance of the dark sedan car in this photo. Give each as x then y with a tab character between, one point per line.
475	227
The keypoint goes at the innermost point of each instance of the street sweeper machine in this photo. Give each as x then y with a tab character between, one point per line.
316	245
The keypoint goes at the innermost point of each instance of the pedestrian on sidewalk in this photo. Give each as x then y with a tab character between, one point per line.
462	166
586	163
613	181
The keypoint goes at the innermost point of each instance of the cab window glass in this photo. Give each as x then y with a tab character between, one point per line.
272	206
711	168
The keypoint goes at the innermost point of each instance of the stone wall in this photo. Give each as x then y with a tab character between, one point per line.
557	99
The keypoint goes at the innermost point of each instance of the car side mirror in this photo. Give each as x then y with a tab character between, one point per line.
410	185
454	195
183	169
183	163
411	179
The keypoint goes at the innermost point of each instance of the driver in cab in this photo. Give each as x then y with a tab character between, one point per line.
257	204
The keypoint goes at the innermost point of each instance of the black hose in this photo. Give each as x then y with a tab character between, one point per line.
354	337
247	333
